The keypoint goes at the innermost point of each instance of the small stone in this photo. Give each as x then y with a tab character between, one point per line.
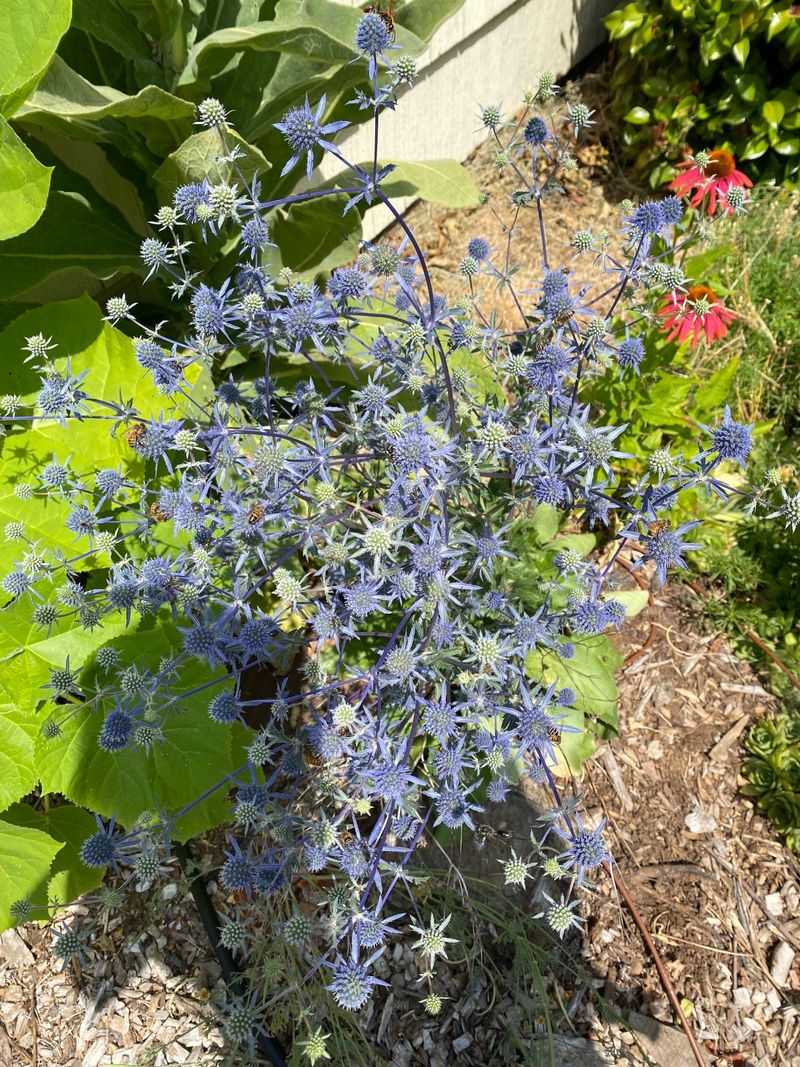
742	998
782	960
773	902
700	821
462	1043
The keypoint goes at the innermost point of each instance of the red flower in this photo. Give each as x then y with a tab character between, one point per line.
714	179
694	315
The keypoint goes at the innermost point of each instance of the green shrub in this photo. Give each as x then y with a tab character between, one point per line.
96	127
712	73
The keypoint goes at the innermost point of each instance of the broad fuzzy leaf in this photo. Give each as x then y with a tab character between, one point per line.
63	96
198	158
591	673
316	236
318	29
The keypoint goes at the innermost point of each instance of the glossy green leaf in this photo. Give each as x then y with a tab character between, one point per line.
773	111
197	752
29	34
26	856
789	146
18	731
638	116
24	185
624	21
751	87
780	21
754	148
741	50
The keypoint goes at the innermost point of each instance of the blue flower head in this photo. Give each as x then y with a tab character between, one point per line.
732	440
647	219
630	353
536	131
373	38
304	131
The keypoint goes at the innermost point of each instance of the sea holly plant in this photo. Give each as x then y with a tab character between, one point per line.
286	599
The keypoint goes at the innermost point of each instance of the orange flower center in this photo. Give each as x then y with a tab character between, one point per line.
701	292
722	164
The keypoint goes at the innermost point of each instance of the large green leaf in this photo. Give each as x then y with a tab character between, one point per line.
195	755
92	163
92	345
320	30
107	21
26	856
441	181
29	34
169	22
424	17
64	97
77	241
268	84
198	158
24	184
316	236
69	877
18	731
591	673
28	654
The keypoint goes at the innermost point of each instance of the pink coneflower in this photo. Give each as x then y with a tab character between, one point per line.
695	314
712	174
